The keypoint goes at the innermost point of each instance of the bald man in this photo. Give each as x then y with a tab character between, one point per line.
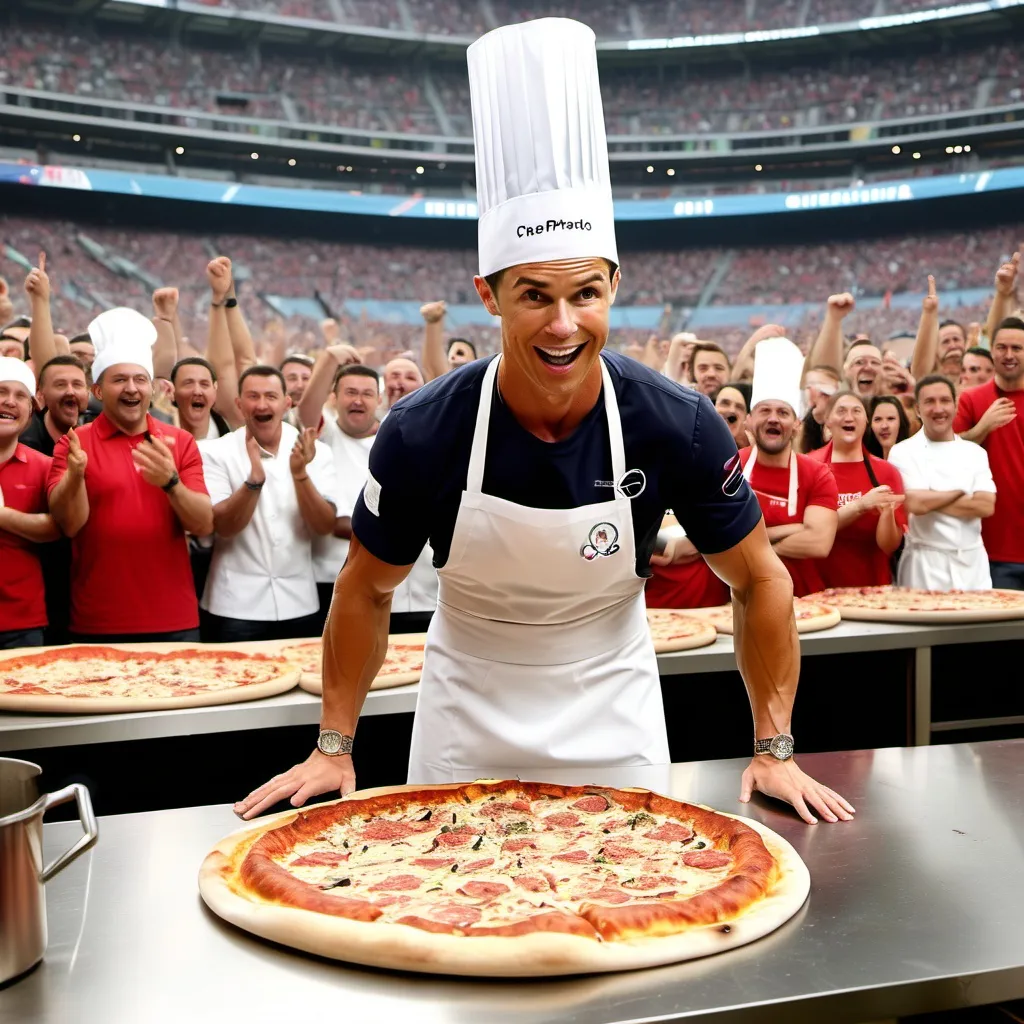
401	378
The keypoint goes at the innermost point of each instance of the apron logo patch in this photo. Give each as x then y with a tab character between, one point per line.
733	479
371	495
603	541
631	484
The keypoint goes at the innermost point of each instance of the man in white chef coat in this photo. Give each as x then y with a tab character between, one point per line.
541	477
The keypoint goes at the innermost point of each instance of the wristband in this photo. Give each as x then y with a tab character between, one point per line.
254	485
172	483
230	303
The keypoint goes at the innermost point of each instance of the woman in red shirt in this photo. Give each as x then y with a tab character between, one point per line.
889	425
871	517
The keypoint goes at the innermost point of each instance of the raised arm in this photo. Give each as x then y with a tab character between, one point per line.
743	367
768	657
219	352
435	362
319	388
165	312
355	644
675	362
1004	300
69	500
926	347
827	349
42	345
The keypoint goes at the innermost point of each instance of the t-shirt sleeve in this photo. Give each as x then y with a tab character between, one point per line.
966	414
325	477
190	463
823	491
58	466
215	472
710	497
983	480
389	516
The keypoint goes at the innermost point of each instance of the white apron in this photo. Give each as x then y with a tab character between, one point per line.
539	662
928	567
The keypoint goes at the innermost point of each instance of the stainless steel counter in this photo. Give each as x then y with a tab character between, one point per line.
32	732
917	905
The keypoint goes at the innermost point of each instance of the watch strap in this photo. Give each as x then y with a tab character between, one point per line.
172	483
333	743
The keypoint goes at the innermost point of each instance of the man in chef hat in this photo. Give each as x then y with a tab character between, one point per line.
797	495
25	522
539	662
126	488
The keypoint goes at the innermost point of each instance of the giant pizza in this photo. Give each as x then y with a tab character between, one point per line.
904	604
403	663
100	679
506	879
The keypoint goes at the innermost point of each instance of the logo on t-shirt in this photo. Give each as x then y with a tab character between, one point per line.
371	495
733	477
631	484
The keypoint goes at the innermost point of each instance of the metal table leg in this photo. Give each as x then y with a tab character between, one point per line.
922	696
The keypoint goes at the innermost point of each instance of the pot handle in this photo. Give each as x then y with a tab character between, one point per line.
77	792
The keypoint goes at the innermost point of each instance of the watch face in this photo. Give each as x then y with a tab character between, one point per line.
330	741
782	747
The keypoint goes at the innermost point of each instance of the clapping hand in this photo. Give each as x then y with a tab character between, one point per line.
154	460
302	452
77	458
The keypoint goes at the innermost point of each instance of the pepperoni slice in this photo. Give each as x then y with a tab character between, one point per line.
381	828
476	865
483	890
619	851
391	900
322	859
606	895
434	862
645	882
573	856
458	837
397	882
593	804
671	832
515	845
532	883
521	805
706	859
456	914
563	819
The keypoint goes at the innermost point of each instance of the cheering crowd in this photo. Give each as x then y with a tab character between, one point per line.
152	492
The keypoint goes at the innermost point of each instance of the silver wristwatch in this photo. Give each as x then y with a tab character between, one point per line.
780	747
333	743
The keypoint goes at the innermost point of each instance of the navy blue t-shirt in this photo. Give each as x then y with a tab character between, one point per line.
420	460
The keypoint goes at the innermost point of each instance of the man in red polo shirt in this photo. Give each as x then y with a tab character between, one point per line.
991	415
126	488
24	519
798	496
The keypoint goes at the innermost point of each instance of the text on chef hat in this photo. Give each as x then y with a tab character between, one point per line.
525	230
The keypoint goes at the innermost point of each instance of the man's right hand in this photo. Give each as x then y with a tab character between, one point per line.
317	774
433	311
257	474
343	355
37	284
767	331
998	414
840	305
77	458
1006	276
218	274
930	303
165	303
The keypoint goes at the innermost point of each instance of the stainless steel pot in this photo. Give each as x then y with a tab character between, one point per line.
22	875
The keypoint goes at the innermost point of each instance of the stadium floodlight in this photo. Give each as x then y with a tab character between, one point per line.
958	149
419	170
758	167
967	149
949	151
917	156
180	150
896	150
76	138
254	156
292	162
650	168
671	172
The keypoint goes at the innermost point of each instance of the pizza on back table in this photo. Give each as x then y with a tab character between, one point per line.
506	878
903	604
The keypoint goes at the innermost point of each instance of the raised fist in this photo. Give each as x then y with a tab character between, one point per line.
841	304
433	311
165	302
218	273
1006	276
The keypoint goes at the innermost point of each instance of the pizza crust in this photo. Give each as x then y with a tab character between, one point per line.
539	954
703	635
936	617
721	616
313	682
58	704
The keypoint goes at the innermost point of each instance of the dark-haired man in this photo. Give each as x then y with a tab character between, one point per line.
991	415
977	368
541	478
273	491
296	370
83	350
126	488
949	490
62	396
195	392
709	367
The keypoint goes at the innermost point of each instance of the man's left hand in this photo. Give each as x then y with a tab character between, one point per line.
155	462
302	452
785	781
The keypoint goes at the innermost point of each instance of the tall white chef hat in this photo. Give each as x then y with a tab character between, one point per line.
778	369
542	181
12	369
122	336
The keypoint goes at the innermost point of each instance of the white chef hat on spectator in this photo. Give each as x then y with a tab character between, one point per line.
778	370
542	181
122	336
12	369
